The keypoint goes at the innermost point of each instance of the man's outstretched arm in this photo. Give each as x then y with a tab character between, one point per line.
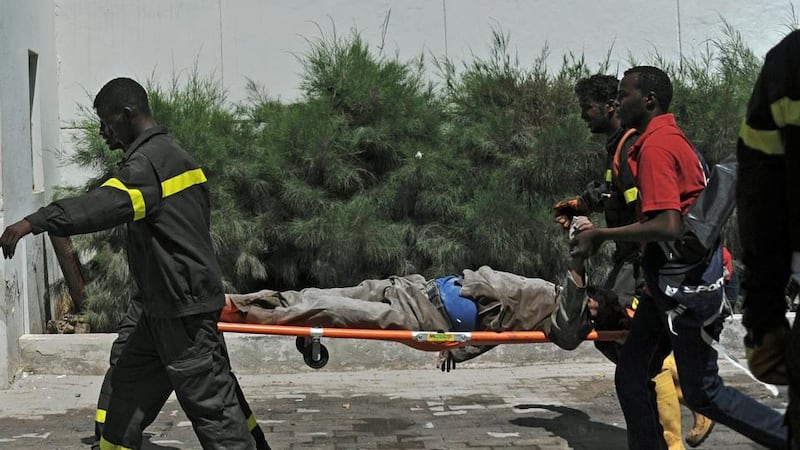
570	322
663	225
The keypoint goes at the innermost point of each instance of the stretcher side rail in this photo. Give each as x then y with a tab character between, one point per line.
316	355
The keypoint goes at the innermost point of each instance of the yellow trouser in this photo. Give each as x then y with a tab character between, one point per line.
669	410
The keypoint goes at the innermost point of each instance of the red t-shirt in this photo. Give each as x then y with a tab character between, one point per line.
727	261
667	171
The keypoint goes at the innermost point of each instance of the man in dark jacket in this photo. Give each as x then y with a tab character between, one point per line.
160	193
768	199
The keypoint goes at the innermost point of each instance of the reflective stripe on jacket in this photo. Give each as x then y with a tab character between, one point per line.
768	191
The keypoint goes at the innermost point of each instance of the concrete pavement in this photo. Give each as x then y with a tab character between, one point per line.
372	395
547	407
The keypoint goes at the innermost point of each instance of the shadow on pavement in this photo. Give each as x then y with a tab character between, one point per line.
382	426
574	426
146	444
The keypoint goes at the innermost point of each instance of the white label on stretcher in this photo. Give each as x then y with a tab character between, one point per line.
431	336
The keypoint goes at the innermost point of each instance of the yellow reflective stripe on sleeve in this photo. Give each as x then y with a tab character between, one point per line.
765	141
608	176
183	181
100	416
634	303
631	195
785	112
252	422
137	199
105	445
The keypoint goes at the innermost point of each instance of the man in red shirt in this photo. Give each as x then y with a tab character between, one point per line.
669	176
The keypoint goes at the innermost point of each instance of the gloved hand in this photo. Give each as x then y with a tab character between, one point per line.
445	361
766	357
565	210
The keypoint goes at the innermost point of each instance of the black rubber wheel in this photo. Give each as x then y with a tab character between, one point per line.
323	357
300	344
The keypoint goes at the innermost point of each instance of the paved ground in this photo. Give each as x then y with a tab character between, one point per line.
557	406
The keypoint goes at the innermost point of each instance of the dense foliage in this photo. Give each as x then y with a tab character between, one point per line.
377	171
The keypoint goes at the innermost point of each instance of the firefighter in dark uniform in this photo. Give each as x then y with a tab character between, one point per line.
767	194
162	196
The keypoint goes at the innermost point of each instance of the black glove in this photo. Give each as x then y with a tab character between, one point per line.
565	210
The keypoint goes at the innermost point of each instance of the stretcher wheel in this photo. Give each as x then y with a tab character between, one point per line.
323	357
301	344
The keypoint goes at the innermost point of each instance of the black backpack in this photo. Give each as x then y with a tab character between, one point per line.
703	223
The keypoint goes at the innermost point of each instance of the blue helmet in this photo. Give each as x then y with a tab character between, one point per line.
463	311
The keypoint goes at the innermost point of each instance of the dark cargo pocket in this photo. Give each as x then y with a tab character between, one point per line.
196	385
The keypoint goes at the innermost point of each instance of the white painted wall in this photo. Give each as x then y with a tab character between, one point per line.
29	141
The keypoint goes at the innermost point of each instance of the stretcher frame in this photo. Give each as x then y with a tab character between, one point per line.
309	339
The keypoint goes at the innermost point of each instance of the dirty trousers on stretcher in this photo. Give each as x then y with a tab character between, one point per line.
504	301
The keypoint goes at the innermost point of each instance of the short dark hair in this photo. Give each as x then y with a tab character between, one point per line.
655	80
120	93
597	88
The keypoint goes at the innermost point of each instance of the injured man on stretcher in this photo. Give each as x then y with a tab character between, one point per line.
477	300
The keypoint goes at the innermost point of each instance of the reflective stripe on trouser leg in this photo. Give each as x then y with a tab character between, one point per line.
106	445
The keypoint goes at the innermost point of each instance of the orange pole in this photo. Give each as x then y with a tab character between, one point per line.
436	341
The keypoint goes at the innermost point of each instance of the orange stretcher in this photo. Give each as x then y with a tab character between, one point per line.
315	355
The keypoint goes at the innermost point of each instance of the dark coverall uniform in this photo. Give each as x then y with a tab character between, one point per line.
768	201
504	302
162	196
617	196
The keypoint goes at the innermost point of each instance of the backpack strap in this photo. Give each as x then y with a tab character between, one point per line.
700	158
625	182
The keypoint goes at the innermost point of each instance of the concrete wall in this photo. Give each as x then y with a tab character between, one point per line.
29	142
261	39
